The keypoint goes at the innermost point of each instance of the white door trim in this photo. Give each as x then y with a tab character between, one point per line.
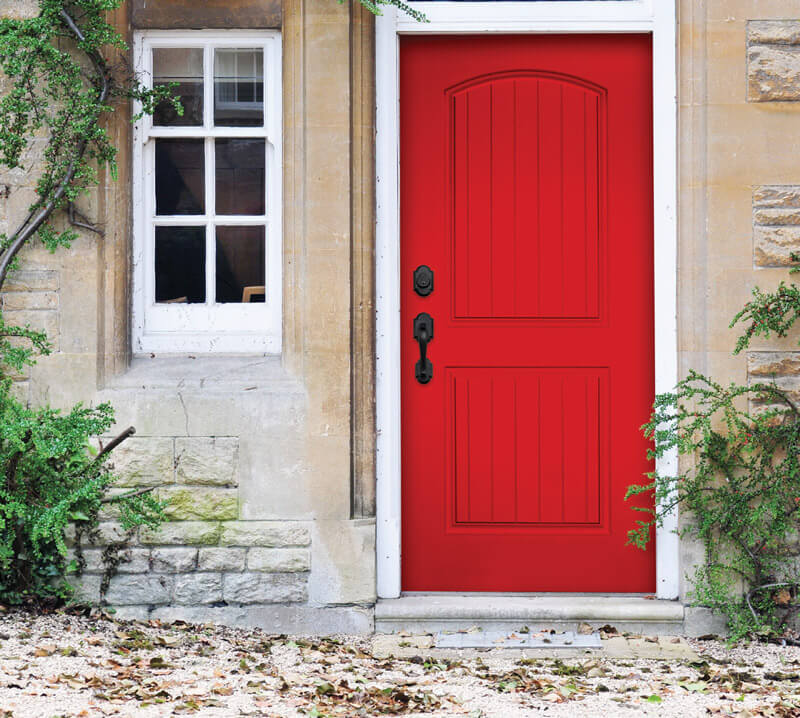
658	18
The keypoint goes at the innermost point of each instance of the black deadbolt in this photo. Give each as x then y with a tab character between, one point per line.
423	280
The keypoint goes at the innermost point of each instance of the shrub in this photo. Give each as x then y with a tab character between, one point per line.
742	487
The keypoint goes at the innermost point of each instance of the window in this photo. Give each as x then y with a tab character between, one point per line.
207	233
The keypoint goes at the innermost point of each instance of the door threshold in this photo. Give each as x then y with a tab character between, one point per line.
420	613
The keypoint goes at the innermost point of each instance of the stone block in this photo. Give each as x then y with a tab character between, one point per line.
188	503
110	532
134	560
271	534
30	300
148	590
181	14
186	533
198	588
294	619
207	461
776	225
31	280
765	365
46	322
278	560
221	559
131	613
701	621
146	461
773	61
174	559
264	588
87	588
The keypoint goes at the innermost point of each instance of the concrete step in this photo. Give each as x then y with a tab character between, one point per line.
430	613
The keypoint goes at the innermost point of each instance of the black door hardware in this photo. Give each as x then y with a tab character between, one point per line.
423	333
423	280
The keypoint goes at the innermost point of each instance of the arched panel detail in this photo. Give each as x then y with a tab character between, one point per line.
527	163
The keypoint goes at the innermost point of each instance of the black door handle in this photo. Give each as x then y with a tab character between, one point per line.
423	333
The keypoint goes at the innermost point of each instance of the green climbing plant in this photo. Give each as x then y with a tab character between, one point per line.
58	90
741	484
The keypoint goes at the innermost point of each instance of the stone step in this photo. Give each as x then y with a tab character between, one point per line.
431	613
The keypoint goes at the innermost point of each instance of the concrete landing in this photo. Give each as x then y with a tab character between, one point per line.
522	639
431	613
660	648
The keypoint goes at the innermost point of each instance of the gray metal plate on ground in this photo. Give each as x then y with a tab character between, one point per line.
499	639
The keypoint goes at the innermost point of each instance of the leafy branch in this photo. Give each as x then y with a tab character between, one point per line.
60	90
742	488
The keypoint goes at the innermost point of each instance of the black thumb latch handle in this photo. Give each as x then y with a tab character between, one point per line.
423	333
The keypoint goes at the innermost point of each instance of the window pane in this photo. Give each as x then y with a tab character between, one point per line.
180	265
240	176
240	264
184	66
180	177
239	88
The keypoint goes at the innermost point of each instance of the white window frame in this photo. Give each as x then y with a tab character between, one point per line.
230	327
657	17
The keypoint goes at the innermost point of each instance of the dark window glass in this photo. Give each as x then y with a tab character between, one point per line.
185	67
180	265
240	176
240	264
179	177
239	88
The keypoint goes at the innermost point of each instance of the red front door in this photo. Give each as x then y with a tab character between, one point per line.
526	187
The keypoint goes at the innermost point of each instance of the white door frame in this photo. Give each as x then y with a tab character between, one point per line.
599	16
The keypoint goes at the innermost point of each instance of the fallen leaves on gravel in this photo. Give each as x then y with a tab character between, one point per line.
66	665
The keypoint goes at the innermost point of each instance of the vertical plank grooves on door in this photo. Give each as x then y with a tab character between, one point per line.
592	185
516	452
563	458
526	444
460	202
593	465
468	248
586	451
539	201
503	199
562	174
469	453
491	449
515	184
586	235
491	201
539	447
526	183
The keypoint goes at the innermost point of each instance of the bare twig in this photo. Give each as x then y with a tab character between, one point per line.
37	218
132	494
78	219
115	442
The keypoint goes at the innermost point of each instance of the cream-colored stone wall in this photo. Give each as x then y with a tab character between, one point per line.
739	142
255	454
270	460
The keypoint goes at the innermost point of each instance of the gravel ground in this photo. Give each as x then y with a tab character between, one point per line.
68	665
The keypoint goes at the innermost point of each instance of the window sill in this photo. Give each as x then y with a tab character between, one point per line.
207	372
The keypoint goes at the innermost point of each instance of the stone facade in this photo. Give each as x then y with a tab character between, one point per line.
266	524
269	461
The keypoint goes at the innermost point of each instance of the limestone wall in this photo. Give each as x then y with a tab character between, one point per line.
271	511
739	175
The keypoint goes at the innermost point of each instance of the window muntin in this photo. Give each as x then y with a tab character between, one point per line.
207	244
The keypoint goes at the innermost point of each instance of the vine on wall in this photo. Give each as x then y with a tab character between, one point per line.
741	485
59	88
